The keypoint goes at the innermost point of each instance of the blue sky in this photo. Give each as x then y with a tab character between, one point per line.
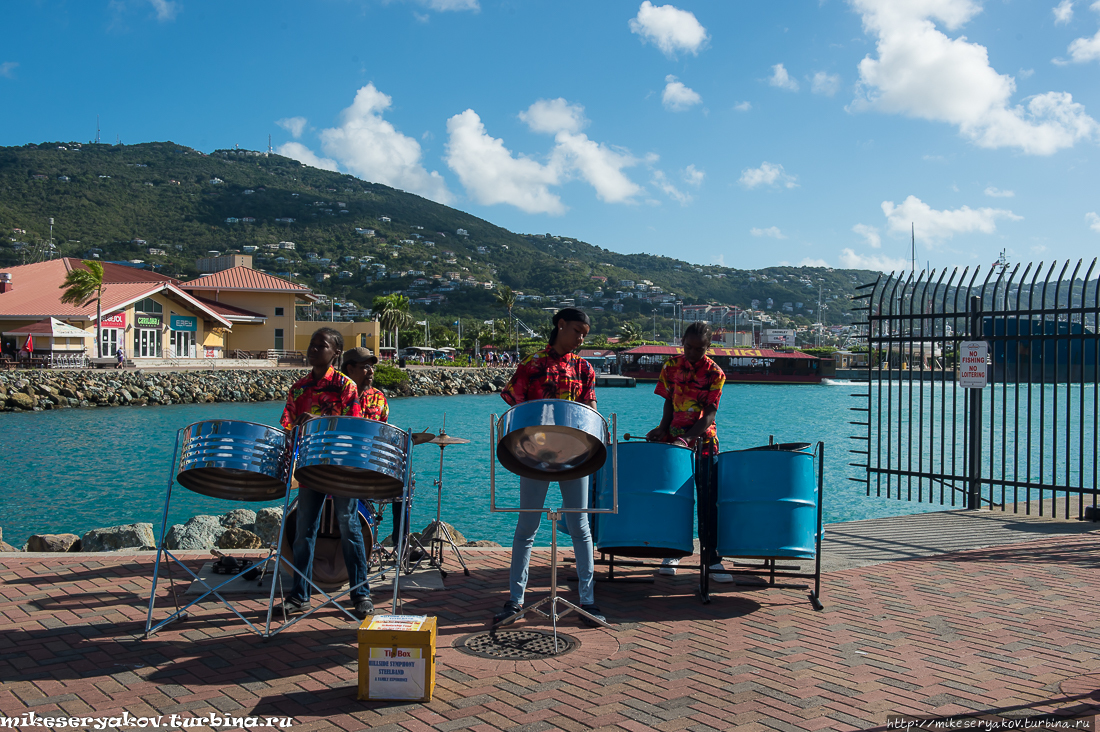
749	134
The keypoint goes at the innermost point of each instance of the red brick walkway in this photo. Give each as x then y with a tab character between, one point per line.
1012	630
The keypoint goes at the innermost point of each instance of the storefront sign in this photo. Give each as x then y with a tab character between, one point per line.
147	321
114	320
183	322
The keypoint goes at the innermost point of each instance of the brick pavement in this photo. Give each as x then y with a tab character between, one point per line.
1009	629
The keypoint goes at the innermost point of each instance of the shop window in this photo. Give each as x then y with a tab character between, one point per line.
278	312
278	339
148	305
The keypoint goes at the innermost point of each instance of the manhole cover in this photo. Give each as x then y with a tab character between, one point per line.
516	645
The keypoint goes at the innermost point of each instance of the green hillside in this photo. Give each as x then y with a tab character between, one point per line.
121	200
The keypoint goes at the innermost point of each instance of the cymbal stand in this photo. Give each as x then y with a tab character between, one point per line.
330	599
553	514
169	559
442	532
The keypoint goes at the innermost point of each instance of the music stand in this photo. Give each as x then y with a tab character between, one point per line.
170	558
332	599
552	516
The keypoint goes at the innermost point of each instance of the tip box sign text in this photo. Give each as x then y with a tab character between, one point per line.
973	364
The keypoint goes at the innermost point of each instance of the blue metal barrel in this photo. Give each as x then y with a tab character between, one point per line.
656	502
767	504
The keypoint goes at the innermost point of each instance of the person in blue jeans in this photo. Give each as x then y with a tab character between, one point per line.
325	392
553	373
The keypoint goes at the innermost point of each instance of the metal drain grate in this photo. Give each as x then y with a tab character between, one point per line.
516	645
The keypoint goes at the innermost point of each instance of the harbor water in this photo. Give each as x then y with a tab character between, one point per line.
78	469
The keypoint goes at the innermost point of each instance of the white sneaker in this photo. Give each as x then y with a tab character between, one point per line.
668	566
718	574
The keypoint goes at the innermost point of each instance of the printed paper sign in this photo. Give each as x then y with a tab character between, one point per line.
973	360
397	622
396	673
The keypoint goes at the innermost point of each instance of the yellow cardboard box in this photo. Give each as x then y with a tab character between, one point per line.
397	658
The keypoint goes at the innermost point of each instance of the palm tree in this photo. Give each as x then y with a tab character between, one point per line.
81	287
629	332
393	314
507	300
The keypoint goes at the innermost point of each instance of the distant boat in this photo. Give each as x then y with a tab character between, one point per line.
741	365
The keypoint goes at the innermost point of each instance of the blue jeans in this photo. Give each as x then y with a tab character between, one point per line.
310	503
532	494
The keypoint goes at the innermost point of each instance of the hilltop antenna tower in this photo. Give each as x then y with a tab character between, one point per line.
269	145
97	129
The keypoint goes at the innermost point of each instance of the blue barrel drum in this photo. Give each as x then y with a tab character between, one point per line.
767	502
656	502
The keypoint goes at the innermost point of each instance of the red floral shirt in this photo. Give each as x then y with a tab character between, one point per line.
691	388
333	395
546	375
373	405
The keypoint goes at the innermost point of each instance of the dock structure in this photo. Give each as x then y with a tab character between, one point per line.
934	615
612	381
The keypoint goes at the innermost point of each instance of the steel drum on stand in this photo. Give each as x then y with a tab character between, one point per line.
656	502
239	461
768	502
352	457
552	439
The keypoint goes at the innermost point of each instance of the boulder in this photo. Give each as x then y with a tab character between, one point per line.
481	543
21	400
238	518
429	533
127	536
200	532
52	543
239	539
267	524
6	547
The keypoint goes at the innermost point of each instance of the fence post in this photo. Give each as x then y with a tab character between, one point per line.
974	444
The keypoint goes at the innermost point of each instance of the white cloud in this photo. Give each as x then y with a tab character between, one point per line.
772	232
551	116
293	125
922	73
1094	221
870	235
850	260
661	181
693	176
445	5
743	106
932	225
166	10
7	69
767	175
824	83
597	164
669	28
491	174
1083	50
303	154
807	262
370	147
677	97
780	78
998	193
1063	12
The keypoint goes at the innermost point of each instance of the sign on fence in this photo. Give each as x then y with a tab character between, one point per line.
973	368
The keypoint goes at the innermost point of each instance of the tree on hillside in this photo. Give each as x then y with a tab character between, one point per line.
629	332
507	300
81	287
393	315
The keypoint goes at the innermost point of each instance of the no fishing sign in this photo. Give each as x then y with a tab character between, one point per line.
973	360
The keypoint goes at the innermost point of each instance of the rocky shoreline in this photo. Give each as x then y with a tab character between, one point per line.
38	390
241	528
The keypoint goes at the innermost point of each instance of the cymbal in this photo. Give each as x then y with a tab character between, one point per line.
419	438
445	439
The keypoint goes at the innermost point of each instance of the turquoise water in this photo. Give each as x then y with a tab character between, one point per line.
79	469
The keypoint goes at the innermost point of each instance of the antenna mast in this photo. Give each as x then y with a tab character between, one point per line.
269	145
97	129
913	234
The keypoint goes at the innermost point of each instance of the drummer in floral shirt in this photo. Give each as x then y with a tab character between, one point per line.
325	392
554	373
691	385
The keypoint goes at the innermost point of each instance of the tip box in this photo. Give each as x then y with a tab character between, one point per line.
397	658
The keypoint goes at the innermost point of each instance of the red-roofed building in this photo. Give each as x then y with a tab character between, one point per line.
146	313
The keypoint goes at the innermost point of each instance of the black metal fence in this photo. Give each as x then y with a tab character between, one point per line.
1027	442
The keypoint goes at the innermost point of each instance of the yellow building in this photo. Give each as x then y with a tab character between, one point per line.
355	334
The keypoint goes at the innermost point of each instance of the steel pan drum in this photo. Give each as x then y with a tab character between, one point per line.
656	517
552	439
241	461
767	503
352	457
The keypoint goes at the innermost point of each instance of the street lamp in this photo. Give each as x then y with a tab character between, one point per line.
654	323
